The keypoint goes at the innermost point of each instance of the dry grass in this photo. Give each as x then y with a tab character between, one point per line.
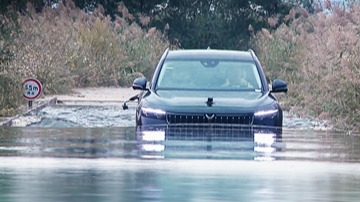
319	57
66	48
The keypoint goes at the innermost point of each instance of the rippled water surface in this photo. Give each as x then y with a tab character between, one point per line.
94	153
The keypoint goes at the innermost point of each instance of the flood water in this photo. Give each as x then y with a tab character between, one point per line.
92	152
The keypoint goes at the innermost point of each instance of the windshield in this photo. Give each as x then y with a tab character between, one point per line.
209	75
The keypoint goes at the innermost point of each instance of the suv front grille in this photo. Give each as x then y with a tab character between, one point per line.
244	119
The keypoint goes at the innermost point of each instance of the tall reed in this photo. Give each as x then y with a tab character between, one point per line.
318	55
66	47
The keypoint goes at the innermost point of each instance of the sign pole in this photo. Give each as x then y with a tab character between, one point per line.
30	104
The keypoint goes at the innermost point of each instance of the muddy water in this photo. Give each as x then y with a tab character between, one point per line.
93	152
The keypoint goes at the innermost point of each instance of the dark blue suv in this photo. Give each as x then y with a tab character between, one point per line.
217	87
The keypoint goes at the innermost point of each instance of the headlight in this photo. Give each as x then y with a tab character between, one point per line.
266	112
153	113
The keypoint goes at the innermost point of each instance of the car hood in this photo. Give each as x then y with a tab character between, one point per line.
196	101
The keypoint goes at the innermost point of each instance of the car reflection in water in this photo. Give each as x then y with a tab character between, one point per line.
209	141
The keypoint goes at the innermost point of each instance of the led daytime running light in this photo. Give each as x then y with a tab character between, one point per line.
265	113
153	111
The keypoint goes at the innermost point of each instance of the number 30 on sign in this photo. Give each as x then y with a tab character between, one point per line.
32	88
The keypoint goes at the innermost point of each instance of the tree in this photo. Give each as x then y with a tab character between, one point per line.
202	23
20	5
217	23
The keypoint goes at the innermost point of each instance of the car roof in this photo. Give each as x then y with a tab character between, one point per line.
210	54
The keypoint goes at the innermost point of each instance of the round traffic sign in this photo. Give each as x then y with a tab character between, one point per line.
32	88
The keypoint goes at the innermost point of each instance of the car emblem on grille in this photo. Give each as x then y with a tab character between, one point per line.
209	116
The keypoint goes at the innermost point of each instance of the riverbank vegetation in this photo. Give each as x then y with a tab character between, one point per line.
318	55
74	44
66	47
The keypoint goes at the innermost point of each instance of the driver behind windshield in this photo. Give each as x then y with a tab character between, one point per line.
237	78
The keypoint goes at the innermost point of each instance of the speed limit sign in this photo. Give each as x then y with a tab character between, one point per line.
32	88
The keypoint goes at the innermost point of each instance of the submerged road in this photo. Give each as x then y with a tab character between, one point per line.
102	107
110	114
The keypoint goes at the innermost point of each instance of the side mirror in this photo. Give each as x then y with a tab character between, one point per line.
139	83
279	86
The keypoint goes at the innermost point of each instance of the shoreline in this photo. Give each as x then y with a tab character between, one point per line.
95	94
89	94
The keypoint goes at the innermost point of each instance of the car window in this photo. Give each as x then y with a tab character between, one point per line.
209	75
177	75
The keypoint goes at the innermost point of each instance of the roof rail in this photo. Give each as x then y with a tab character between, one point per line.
252	52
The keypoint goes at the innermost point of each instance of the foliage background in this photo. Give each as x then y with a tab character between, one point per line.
313	46
220	24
